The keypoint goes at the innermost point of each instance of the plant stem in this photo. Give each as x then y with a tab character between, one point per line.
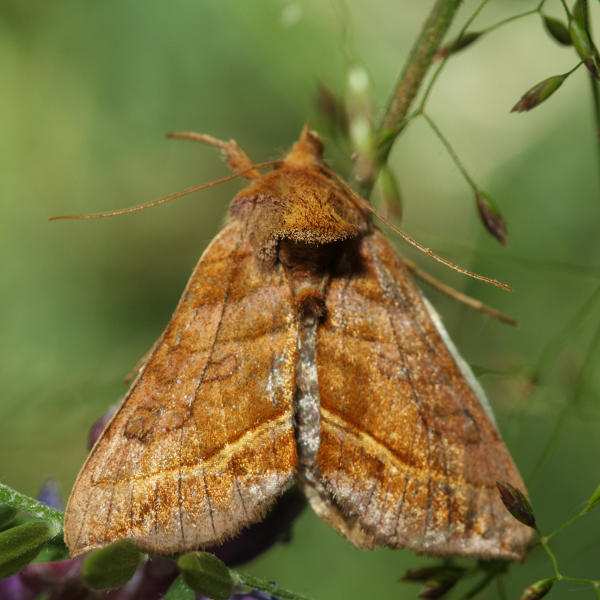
552	556
451	151
418	62
31	506
411	77
565	525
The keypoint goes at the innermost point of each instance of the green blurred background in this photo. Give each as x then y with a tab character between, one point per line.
88	90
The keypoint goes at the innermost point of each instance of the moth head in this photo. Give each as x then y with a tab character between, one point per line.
298	201
307	151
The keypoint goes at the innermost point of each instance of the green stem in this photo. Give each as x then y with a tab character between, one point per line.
451	151
527	13
418	62
411	77
565	525
31	506
558	576
551	554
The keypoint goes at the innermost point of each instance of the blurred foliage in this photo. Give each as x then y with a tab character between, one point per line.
88	91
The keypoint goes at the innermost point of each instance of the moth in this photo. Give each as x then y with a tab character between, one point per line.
301	351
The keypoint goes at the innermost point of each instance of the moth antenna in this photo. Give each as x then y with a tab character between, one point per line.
366	206
233	155
124	211
456	295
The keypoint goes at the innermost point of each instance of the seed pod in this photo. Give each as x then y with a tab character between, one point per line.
538	93
516	503
537	590
557	30
490	216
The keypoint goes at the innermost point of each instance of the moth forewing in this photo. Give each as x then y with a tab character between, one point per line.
407	449
197	450
300	347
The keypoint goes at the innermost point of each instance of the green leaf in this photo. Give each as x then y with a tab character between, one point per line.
205	573
490	216
179	591
55	549
557	30
20	545
593	501
111	566
7	514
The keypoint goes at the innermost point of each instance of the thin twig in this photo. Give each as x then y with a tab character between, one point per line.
450	151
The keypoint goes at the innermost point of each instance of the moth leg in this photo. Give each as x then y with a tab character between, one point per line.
233	155
456	295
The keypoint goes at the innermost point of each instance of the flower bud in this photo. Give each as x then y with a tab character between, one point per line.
557	30
537	590
538	93
490	216
516	503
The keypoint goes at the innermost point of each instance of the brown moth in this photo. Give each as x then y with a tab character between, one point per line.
301	350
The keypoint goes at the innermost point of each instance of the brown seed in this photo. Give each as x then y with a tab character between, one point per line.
300	349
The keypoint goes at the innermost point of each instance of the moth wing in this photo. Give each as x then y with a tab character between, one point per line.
409	455
203	441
